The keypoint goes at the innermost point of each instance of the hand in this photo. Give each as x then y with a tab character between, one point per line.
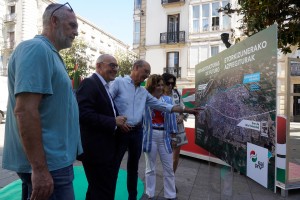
174	144
120	120
179	119
194	111
42	184
125	128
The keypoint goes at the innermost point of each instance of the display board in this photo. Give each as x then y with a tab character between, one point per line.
237	91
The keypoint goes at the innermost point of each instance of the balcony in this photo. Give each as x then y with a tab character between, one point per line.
9	45
168	3
176	71
9	18
172	37
93	46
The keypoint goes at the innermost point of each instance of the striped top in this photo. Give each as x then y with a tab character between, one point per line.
170	126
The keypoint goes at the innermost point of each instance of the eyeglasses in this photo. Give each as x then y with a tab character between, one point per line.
170	83
112	65
61	7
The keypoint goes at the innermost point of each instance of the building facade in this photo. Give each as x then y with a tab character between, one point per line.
175	35
22	20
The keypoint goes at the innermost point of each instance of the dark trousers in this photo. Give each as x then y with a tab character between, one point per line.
131	141
102	180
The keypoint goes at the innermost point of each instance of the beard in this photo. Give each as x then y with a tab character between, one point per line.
62	40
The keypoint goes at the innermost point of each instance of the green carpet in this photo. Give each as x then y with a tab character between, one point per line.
13	190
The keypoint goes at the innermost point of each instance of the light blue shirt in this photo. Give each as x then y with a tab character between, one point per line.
131	101
36	67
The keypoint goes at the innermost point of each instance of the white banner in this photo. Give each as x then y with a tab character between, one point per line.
250	124
257	163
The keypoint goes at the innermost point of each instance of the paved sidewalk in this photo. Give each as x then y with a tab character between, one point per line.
195	179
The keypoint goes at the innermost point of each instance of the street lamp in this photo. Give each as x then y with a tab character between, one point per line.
225	38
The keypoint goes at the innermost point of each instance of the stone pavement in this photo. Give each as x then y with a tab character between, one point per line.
195	179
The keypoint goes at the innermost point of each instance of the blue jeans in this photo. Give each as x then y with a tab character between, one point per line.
63	184
131	141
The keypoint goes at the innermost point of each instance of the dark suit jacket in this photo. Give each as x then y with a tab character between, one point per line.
97	121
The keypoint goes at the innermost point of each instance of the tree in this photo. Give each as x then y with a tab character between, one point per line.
125	61
260	14
76	57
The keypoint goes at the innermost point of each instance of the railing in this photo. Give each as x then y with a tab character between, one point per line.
215	28
93	46
171	1
176	71
209	28
9	18
172	37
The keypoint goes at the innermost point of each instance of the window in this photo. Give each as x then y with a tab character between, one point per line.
173	28
11	36
205	17
226	19
173	59
194	56
173	64
11	39
1	65
12	9
196	16
214	50
137	4
137	29
215	16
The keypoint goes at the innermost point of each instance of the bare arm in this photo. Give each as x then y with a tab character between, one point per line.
180	109
29	124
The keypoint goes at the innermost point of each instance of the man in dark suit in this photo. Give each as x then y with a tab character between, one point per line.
99	120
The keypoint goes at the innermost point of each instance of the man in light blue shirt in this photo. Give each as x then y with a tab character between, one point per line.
131	99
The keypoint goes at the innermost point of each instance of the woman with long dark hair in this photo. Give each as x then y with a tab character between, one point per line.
171	90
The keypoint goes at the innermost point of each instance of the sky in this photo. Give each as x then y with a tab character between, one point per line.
115	17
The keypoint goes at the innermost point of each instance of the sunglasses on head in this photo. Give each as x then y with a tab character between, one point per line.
61	7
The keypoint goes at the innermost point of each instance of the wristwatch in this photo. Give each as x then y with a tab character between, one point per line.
174	139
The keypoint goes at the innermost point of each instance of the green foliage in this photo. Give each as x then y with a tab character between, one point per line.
76	55
260	14
76	79
125	61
